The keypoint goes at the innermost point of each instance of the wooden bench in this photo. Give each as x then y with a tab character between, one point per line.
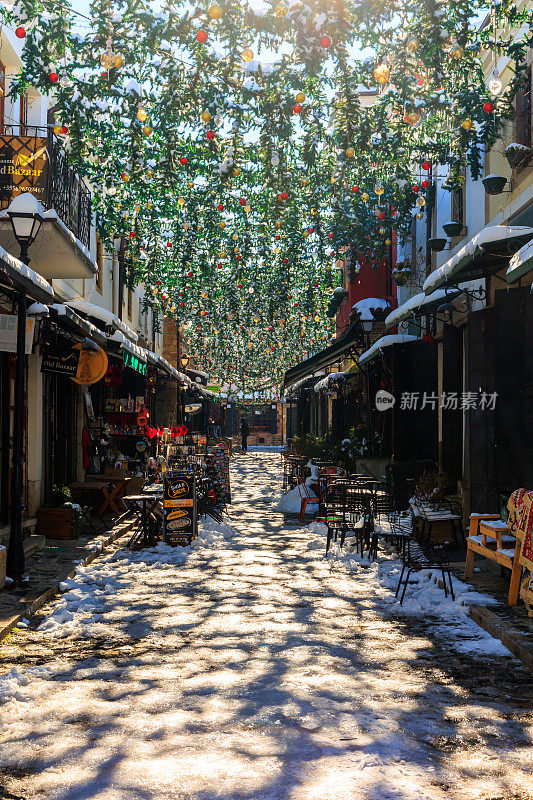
492	538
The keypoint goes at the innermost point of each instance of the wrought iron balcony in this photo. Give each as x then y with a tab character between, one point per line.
33	159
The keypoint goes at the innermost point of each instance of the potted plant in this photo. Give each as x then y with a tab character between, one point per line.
437	244
517	155
452	228
62	519
493	183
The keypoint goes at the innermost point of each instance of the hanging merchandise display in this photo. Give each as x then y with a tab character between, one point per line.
239	176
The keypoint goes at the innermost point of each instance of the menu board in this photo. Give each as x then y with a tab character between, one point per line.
179	508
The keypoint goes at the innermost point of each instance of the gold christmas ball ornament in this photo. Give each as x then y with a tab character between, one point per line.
142	116
379	189
222	224
119	62
350	152
205	116
382	74
247	209
281	10
456	51
247	55
365	197
421	202
300	97
236	172
467	124
215	11
147	130
412	44
413	117
181	201
58	129
149	205
388	242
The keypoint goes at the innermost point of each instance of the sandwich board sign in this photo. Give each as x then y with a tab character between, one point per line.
180	513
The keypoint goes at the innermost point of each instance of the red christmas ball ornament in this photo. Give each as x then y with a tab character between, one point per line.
297	108
201	36
426	165
416	188
182	304
169	244
210	135
20	32
132	234
189	274
488	108
284	195
310	230
330	234
325	41
271	328
239	257
277	237
64	129
220	266
184	160
53	77
285	260
424	184
355	189
239	286
242	201
159	283
220	207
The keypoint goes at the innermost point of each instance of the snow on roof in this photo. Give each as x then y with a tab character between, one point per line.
417	301
385	341
520	264
365	307
15	268
105	316
126	344
493	233
333	377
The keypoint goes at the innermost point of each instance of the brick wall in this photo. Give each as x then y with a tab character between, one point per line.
170	342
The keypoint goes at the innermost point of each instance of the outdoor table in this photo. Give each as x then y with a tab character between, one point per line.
111	492
141	505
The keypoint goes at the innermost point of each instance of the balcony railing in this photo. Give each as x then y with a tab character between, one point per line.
33	159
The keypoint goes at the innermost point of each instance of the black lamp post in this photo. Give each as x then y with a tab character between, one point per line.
26	220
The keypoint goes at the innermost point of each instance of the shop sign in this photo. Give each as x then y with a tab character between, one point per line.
179	508
24	166
8	333
133	362
60	363
92	366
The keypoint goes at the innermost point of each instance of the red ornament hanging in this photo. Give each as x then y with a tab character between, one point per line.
416	188
201	36
210	135
488	108
184	160
325	41
424	184
20	32
53	77
297	108
426	165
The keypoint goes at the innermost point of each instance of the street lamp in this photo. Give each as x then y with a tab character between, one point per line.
367	325
184	360
26	215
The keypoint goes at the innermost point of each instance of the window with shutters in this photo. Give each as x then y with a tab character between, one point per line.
458	205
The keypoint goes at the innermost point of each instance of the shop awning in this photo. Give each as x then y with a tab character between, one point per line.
330	380
486	253
339	349
383	343
134	356
68	317
520	264
109	319
20	276
420	304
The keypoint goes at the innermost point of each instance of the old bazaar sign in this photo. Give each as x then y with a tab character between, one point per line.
24	165
134	362
92	366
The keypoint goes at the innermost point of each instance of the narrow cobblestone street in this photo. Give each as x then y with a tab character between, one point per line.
253	668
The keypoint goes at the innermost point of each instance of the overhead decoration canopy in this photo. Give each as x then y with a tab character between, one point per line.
243	150
487	252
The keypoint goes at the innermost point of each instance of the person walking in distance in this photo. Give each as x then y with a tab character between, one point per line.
245	432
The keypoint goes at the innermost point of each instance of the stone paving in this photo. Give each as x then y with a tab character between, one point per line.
254	669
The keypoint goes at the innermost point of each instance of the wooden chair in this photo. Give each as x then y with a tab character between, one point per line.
490	537
306	498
